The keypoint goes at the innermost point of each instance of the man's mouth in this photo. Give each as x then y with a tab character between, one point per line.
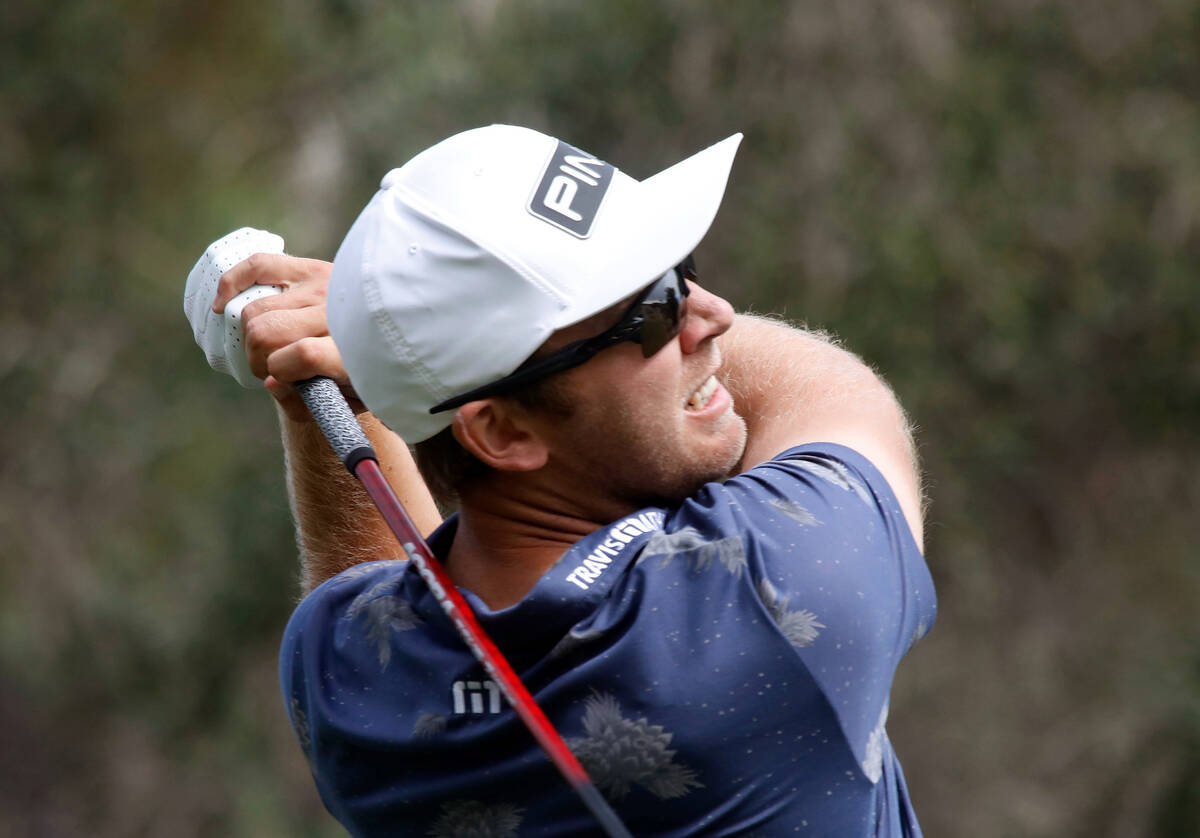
704	393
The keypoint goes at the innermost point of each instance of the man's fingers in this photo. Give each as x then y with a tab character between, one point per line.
268	269
303	295
288	399
250	271
306	358
294	406
270	331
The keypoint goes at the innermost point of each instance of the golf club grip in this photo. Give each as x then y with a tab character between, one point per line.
336	420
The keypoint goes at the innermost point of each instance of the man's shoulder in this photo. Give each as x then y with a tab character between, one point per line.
349	592
831	462
795	484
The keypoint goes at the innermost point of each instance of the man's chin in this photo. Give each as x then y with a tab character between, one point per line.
692	483
737	451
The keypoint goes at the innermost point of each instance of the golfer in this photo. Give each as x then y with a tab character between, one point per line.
696	535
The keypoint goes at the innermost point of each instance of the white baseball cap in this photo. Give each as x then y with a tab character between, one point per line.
479	248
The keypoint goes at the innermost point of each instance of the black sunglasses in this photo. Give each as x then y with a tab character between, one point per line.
653	319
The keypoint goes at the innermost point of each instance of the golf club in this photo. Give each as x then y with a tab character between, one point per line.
336	420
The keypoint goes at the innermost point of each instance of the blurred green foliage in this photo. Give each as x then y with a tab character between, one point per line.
998	205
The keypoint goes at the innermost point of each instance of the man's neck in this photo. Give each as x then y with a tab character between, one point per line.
508	537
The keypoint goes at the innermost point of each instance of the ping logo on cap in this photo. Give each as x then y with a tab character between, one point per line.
571	190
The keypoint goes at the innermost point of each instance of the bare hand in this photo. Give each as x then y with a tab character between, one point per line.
286	336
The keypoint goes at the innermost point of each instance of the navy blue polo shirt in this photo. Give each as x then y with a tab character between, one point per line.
719	668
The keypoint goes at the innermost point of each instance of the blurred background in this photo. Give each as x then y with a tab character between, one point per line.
997	204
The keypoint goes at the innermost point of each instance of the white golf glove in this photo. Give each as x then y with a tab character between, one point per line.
220	335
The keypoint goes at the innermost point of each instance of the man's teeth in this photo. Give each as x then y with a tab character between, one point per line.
700	398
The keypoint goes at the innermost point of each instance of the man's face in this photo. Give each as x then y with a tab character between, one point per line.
649	430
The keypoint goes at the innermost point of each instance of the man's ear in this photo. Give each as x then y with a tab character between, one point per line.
499	435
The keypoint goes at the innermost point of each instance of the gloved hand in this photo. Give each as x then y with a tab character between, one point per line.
220	335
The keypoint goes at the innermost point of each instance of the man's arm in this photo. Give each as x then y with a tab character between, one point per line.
793	386
287	340
337	524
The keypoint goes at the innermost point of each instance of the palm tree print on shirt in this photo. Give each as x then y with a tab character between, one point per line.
619	753
796	512
473	819
429	726
872	763
833	472
800	627
701	551
300	725
385	611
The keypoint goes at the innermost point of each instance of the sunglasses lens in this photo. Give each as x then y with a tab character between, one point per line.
662	312
658	327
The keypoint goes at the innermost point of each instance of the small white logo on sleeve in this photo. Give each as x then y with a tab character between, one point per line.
471	696
620	535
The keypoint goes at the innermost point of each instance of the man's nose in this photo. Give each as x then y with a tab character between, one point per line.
707	317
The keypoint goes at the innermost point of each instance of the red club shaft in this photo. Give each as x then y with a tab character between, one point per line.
459	612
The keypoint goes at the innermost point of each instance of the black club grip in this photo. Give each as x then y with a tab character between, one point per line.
336	420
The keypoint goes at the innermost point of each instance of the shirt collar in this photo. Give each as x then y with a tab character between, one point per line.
568	592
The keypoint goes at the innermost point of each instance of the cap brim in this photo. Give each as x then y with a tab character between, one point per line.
654	225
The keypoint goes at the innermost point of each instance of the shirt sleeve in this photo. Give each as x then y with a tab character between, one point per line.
834	565
341	675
